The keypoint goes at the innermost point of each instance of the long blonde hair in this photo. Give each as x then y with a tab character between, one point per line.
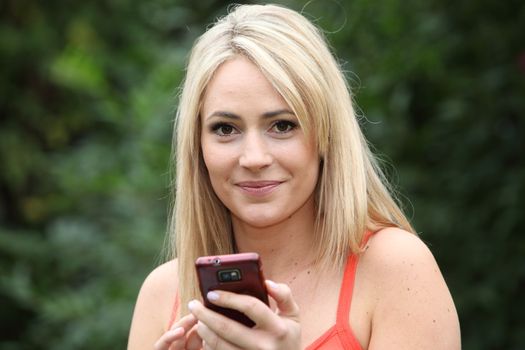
352	194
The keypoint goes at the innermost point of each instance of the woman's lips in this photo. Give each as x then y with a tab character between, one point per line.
258	188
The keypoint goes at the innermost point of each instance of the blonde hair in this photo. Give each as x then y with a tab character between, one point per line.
352	195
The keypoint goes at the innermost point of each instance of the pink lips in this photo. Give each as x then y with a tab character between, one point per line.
258	188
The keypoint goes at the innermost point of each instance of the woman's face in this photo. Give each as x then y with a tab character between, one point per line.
261	165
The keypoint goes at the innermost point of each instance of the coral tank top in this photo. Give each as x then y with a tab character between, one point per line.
340	335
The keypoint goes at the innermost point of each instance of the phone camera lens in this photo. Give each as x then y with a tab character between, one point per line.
234	276
216	261
229	275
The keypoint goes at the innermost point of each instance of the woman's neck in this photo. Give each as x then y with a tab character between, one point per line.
285	248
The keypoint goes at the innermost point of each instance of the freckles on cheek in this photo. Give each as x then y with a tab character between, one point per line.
207	152
210	158
215	164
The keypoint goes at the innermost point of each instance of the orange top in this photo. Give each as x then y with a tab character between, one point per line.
340	335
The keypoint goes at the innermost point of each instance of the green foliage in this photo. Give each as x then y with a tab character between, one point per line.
85	146
87	97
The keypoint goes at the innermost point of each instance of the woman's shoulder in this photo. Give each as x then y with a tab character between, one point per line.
163	278
154	303
411	301
160	288
392	255
396	244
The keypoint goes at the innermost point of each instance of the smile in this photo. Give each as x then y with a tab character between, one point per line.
258	188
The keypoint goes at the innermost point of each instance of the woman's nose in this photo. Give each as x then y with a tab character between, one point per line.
255	154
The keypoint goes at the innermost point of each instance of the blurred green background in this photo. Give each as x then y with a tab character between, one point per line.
87	98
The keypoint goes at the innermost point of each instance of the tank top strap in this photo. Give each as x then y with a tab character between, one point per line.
347	286
174	310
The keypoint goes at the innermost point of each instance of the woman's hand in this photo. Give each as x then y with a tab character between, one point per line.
272	330
181	336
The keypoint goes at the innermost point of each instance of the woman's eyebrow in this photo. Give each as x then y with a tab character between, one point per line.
277	112
224	114
265	115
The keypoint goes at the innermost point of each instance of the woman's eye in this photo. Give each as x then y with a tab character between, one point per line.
223	129
283	126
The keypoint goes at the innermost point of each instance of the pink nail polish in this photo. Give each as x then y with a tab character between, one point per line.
272	284
212	296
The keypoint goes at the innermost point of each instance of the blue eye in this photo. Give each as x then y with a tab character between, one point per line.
283	126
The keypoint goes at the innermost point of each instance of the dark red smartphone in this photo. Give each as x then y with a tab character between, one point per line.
238	273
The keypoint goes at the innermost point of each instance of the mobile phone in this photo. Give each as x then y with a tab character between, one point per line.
238	273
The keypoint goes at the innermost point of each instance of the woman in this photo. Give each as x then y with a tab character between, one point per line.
270	159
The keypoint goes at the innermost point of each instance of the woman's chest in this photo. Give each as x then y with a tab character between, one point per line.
318	305
330	301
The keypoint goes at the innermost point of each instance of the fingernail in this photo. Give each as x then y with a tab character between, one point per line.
212	296
192	304
178	330
272	284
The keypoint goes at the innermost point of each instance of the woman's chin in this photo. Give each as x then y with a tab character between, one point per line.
258	220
